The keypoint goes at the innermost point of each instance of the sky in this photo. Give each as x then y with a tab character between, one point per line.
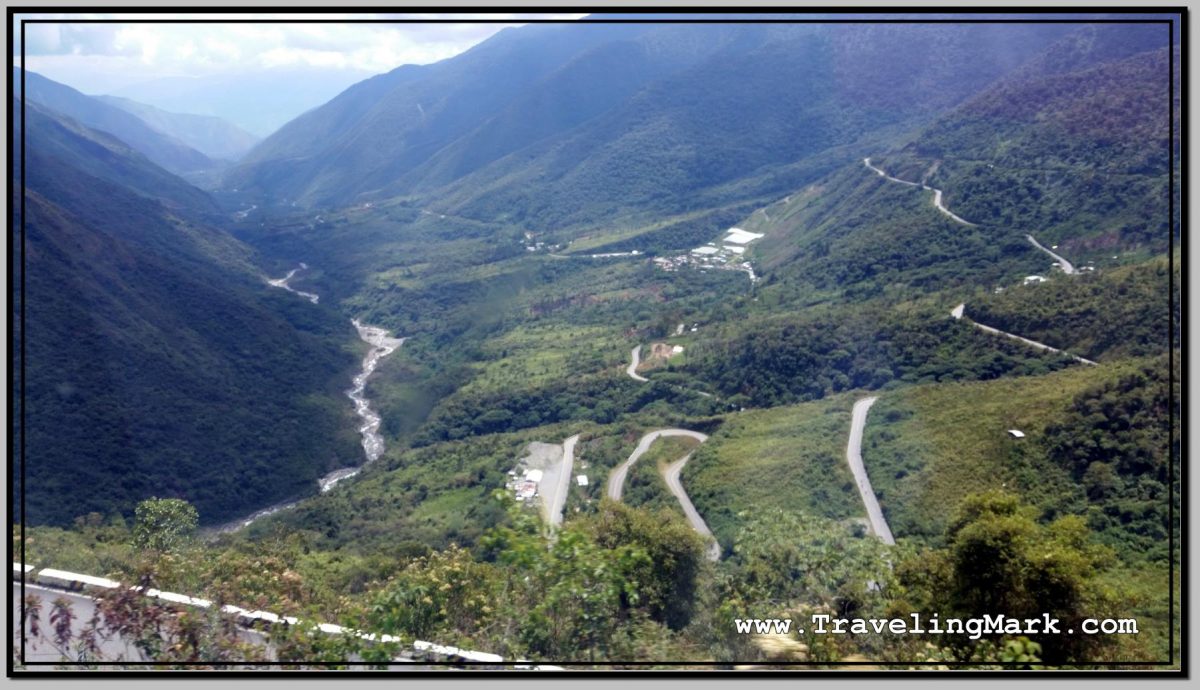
157	60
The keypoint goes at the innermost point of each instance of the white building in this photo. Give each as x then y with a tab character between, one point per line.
740	236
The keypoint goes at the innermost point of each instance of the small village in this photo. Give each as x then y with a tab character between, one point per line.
729	255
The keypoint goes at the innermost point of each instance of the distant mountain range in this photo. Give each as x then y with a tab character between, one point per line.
163	149
258	102
157	355
214	137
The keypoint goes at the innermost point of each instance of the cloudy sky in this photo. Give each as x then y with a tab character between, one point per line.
127	59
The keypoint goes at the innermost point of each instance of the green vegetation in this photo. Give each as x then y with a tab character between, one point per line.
1076	157
1000	558
791	457
160	365
164	524
1118	312
1114	440
807	356
645	486
928	446
156	360
625	583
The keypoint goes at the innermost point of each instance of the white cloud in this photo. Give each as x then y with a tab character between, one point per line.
206	48
291	67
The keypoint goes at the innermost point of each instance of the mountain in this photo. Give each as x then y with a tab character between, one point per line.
546	220
258	101
1073	148
555	124
214	137
157	360
103	156
160	148
1078	156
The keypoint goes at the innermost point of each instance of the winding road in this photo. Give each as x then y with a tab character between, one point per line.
616	481
858	422
1062	263
957	313
884	175
1066	266
559	499
713	553
635	357
937	193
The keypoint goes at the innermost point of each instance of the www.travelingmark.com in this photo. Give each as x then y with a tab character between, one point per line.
917	624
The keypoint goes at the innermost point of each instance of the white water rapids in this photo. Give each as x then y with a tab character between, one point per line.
283	283
382	345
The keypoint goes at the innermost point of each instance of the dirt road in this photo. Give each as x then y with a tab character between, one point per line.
556	500
616	481
937	193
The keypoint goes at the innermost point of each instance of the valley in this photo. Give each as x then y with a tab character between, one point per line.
514	391
381	345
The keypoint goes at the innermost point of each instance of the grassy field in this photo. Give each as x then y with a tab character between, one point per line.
645	485
534	353
605	236
927	446
790	457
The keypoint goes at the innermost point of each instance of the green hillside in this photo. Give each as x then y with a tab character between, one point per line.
158	362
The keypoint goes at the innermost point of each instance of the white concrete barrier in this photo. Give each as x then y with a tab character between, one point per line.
74	582
77	582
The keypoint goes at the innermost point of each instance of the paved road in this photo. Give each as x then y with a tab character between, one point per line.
672	476
616	480
1062	263
858	421
957	313
867	162
937	193
635	357
559	499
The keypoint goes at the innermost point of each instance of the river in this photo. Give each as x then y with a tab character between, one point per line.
382	345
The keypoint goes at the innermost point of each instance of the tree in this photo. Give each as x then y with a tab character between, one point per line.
1000	560
568	600
438	595
667	585
790	557
164	524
